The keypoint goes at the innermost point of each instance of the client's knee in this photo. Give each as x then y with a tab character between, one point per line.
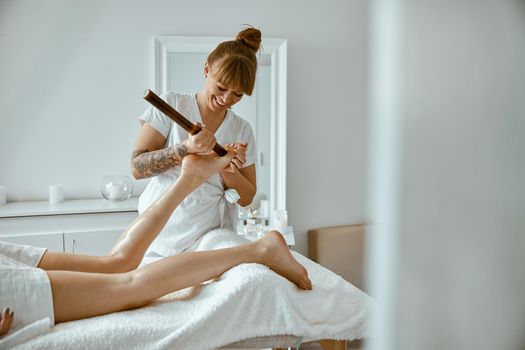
117	263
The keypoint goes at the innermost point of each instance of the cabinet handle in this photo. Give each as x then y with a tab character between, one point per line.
74	245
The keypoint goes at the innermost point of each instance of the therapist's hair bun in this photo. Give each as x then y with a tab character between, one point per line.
250	37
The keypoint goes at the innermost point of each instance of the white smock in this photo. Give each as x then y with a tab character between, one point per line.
205	208
25	290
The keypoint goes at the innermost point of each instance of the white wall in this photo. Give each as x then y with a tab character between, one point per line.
79	69
461	279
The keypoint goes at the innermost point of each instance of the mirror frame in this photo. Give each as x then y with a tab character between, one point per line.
277	50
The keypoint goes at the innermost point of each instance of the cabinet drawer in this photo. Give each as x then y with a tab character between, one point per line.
52	241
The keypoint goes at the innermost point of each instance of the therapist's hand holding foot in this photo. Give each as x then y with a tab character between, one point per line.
203	166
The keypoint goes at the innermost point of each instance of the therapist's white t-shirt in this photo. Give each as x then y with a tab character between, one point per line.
205	208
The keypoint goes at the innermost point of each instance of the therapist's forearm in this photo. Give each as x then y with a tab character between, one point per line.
241	184
146	163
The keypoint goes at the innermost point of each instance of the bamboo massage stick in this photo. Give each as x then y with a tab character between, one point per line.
178	118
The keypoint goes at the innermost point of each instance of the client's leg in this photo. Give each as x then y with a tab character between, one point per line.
131	246
79	295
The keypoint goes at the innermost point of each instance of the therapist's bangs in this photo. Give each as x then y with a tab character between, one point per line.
236	73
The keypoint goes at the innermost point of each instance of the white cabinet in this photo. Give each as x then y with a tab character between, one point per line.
52	241
97	242
77	226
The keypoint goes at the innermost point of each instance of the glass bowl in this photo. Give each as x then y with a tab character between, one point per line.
116	187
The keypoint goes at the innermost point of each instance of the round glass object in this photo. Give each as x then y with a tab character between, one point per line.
116	187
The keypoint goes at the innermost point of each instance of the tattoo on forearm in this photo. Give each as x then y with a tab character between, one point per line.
182	150
152	163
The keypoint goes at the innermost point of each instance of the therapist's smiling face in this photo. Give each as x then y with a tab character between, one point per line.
220	97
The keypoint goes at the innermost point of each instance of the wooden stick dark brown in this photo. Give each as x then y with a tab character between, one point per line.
178	118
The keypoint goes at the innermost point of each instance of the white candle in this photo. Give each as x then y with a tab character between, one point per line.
115	190
263	209
56	193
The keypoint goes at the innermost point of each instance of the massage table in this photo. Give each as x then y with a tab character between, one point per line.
249	306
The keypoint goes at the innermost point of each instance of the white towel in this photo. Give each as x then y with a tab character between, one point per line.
25	333
26	290
247	301
25	254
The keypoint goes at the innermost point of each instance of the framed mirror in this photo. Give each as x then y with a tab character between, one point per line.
179	63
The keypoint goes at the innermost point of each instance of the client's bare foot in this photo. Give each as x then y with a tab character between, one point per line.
277	256
202	166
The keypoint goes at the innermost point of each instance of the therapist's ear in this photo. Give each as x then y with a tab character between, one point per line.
206	69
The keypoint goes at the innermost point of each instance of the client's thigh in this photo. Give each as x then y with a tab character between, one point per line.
78	295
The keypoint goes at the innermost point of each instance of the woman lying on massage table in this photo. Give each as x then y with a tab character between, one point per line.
67	287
